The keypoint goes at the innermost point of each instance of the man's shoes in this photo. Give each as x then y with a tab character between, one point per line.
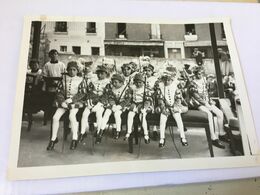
52	143
218	144
73	144
224	138
117	135
162	143
155	136
82	137
146	139
184	142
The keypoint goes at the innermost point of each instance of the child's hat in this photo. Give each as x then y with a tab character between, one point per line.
210	76
118	77
102	68
149	66
139	77
127	65
197	69
73	64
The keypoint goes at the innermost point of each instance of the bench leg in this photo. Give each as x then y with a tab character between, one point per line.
209	141
130	144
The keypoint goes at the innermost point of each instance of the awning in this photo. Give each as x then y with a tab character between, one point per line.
133	43
203	43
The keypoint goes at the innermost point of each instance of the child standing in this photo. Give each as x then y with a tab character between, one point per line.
141	104
116	99
67	96
94	91
169	102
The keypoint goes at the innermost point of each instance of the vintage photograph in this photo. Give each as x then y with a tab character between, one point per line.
114	91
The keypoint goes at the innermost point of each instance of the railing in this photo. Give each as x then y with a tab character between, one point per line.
191	37
91	30
121	36
158	37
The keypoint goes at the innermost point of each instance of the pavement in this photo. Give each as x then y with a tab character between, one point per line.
32	150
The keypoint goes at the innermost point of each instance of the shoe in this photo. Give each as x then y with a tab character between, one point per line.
52	143
127	136
155	136
224	138
99	137
185	129
162	144
218	144
73	144
146	139
117	135
82	137
184	142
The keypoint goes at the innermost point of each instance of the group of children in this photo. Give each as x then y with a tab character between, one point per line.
135	91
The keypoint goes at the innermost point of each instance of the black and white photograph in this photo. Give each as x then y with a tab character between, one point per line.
101	96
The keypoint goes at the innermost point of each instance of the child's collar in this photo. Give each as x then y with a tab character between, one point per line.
54	62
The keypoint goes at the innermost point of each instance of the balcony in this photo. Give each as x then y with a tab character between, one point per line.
191	37
155	37
121	36
91	30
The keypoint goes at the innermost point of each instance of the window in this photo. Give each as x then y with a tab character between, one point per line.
91	27
63	48
190	29
61	27
76	50
121	30
95	50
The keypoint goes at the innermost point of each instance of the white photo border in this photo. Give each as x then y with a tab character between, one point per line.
22	173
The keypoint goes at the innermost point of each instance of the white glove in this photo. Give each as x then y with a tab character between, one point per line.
143	110
114	108
68	101
64	105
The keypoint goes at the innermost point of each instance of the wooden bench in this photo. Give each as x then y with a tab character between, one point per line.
193	118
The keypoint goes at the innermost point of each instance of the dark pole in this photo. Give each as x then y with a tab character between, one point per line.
216	60
36	39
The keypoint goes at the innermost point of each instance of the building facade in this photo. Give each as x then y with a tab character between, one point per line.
174	41
80	38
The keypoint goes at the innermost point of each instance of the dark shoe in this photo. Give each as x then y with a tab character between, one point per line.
184	142
161	145
117	135
218	144
127	136
185	129
52	143
82	137
155	136
224	138
99	137
73	144
147	140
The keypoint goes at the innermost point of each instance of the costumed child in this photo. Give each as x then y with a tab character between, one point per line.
141	104
150	83
116	99
68	96
92	100
199	99
170	102
129	72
